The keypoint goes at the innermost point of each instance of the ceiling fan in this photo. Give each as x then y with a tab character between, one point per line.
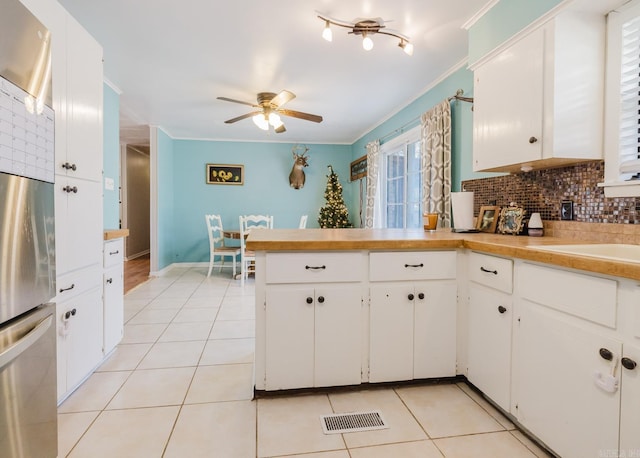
269	110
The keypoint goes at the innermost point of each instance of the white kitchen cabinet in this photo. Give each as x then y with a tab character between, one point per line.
489	326
79	341
564	342
79	230
539	103
556	395
113	295
313	335
412	329
630	399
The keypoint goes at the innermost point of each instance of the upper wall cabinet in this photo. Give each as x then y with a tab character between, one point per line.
539	102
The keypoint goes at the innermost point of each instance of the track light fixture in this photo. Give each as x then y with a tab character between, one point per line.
365	28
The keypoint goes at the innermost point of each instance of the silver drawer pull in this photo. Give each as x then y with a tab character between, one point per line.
494	272
111	253
315	267
414	265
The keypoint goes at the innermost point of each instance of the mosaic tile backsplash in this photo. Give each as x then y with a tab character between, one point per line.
543	191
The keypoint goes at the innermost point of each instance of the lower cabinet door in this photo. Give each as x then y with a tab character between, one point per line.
556	395
289	330
80	326
434	345
489	344
113	307
391	331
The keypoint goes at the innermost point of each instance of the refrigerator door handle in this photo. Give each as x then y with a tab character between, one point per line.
11	353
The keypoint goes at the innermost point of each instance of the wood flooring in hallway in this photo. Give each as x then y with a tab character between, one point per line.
136	271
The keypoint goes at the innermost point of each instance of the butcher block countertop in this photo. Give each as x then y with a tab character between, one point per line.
522	247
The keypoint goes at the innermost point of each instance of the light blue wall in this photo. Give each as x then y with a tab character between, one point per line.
168	229
111	158
503	21
266	188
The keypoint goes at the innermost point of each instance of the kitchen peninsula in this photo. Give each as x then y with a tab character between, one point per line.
338	307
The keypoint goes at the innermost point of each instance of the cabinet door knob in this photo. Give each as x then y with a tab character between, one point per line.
309	300
109	280
532	140
68	166
628	363
410	296
70	189
501	309
421	296
73	312
67	315
321	299
606	354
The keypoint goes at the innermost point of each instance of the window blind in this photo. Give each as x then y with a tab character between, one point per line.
630	99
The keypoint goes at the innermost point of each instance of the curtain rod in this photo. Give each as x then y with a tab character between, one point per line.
457	96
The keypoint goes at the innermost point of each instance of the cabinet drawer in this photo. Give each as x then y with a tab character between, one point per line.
113	252
315	267
585	296
72	284
491	271
412	265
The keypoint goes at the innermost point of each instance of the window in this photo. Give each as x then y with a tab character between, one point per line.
401	178
622	117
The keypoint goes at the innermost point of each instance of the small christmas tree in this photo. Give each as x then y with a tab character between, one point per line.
335	213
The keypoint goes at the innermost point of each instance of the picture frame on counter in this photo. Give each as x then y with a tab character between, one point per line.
488	218
511	219
225	174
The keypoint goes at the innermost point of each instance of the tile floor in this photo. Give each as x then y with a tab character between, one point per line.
180	385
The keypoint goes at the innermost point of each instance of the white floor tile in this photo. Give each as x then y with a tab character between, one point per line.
196	315
166	304
445	410
153	316
177	332
153	387
233	329
291	425
402	426
95	393
173	354
489	445
127	433
228	351
71	426
125	357
203	302
142	333
236	311
504	421
233	382
221	429
421	449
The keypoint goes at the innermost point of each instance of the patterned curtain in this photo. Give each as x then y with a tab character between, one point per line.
373	208
436	161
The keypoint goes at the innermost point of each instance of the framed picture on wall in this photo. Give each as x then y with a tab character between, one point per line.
225	174
488	218
359	168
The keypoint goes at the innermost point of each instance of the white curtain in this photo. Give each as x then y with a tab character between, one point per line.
436	161
373	208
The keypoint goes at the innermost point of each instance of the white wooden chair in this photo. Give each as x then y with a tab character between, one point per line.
303	222
217	246
249	223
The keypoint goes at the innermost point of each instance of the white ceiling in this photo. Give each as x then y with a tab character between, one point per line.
171	59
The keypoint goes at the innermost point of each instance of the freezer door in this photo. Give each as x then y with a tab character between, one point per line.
28	417
27	246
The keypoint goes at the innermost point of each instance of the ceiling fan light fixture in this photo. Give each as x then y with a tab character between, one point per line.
327	34
407	47
275	120
260	120
367	28
367	42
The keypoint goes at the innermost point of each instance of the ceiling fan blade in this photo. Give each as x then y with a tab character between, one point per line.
279	130
244	116
226	99
301	115
282	98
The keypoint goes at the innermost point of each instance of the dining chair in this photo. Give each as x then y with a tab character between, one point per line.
303	222
249	223
217	246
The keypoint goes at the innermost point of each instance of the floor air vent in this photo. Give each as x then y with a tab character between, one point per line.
352	422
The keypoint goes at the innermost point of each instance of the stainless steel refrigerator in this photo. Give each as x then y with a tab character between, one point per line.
28	413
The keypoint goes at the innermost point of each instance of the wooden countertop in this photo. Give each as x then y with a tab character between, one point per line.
522	247
110	234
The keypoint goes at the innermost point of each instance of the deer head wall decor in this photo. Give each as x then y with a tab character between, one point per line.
297	177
